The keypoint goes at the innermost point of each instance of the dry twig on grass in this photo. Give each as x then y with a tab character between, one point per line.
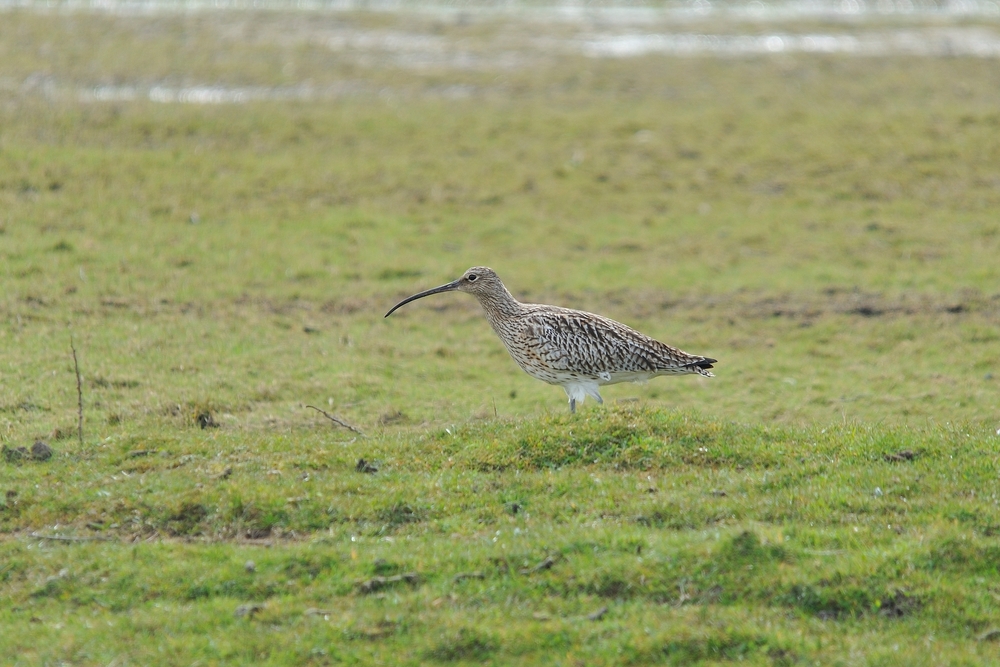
79	391
70	538
544	565
378	583
597	615
336	420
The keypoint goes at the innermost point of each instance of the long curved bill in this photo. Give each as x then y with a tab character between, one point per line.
450	287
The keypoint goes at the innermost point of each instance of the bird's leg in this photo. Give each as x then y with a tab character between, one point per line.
572	406
593	393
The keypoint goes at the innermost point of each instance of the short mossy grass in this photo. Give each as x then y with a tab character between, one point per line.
824	226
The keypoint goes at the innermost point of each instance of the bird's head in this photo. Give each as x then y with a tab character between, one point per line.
480	281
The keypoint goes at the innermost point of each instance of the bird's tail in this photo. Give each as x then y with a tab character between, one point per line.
701	366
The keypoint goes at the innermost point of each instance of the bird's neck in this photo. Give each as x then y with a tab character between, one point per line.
500	305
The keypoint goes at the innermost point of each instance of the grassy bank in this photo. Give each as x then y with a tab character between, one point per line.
500	541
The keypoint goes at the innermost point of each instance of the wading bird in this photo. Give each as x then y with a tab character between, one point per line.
576	350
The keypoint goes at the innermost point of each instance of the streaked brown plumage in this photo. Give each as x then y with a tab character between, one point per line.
576	350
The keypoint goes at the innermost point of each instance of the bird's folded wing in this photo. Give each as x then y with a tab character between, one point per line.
581	342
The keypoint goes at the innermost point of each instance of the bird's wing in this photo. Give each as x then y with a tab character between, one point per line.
579	342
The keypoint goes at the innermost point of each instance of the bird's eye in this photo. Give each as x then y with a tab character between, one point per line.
472	278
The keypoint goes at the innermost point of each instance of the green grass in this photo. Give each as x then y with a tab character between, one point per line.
704	540
825	227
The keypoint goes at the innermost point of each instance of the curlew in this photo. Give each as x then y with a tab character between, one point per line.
576	350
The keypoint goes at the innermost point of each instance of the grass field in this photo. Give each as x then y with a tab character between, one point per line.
825	226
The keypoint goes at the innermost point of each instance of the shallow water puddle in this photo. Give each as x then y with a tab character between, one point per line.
979	42
518	36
